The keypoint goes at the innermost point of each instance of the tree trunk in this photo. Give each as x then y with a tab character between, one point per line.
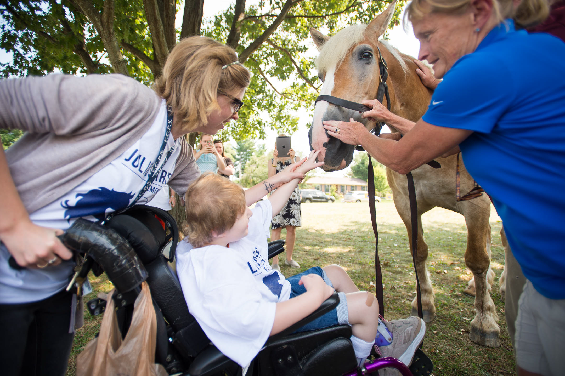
192	19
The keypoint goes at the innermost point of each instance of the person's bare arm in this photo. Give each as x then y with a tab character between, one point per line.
379	112
422	144
28	243
293	310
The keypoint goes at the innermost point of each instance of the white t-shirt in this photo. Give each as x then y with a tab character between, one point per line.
232	291
110	189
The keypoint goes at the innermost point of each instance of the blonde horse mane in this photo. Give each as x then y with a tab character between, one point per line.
334	50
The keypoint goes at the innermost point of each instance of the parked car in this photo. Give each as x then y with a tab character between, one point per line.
358	196
314	195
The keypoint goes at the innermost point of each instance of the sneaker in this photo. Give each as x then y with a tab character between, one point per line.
292	263
407	334
276	267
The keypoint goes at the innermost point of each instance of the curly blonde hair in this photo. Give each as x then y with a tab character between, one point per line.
213	204
193	75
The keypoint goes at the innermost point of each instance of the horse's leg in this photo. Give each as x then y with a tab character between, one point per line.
470	290
484	329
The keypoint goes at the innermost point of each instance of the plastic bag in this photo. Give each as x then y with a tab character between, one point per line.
135	354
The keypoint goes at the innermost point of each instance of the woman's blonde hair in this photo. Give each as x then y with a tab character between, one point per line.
213	204
527	13
195	71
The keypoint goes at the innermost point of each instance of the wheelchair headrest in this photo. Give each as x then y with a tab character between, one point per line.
148	230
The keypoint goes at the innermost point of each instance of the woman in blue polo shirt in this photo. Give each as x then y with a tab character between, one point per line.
502	102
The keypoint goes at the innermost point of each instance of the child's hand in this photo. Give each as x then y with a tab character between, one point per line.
310	163
314	284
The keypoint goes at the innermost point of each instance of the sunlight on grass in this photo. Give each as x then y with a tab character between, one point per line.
336	250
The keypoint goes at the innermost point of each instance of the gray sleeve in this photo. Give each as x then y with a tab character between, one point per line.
186	170
65	105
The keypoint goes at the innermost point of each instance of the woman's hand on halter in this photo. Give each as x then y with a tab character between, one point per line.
351	132
378	112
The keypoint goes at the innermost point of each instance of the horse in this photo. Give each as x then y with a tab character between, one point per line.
348	64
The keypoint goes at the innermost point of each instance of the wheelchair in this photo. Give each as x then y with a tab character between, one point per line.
137	246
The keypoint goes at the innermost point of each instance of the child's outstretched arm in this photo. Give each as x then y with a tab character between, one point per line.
295	171
293	310
282	194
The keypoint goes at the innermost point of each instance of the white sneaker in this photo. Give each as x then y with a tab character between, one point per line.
292	263
276	267
407	334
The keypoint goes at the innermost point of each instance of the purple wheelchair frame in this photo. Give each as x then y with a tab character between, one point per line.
383	363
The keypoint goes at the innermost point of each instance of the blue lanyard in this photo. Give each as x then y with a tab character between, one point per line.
153	170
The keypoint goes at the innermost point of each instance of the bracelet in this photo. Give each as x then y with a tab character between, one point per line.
268	186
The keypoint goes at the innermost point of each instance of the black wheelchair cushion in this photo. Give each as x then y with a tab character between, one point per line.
143	237
210	362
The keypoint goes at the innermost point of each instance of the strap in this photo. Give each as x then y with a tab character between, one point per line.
414	240
157	166
378	271
477	190
343	103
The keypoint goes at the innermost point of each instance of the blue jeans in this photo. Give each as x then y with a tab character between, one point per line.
337	316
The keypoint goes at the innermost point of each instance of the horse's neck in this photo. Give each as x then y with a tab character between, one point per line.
408	96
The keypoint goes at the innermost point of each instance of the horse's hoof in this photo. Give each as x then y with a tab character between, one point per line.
484	339
428	316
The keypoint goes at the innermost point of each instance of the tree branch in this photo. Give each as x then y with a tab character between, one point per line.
156	69
157	32
267	33
351	5
104	25
192	18
235	31
267	80
300	71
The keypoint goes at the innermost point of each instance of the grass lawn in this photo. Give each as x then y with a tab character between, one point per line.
340	233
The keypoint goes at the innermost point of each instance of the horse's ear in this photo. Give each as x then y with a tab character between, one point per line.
378	26
319	38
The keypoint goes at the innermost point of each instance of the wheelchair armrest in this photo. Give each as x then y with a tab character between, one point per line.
276	247
328	304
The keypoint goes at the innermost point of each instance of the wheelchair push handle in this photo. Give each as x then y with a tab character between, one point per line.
108	249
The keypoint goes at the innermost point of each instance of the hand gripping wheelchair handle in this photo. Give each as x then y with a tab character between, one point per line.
109	250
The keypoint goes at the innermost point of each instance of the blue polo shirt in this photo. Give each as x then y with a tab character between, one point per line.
511	93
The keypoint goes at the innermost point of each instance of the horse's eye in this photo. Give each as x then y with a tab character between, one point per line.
366	55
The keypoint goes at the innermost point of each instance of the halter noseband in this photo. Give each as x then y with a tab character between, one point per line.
382	91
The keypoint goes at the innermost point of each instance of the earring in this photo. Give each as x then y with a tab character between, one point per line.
477	29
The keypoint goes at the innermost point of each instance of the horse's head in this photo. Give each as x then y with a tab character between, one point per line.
348	65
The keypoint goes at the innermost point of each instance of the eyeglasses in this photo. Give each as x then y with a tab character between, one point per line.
236	103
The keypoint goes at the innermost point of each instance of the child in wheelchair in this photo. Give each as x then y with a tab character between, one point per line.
240	301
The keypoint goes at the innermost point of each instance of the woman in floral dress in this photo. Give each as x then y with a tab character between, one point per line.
289	217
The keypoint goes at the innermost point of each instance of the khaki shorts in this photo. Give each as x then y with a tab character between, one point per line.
540	333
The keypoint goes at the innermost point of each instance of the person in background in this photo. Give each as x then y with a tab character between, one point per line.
290	217
207	158
93	145
510	128
229	170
